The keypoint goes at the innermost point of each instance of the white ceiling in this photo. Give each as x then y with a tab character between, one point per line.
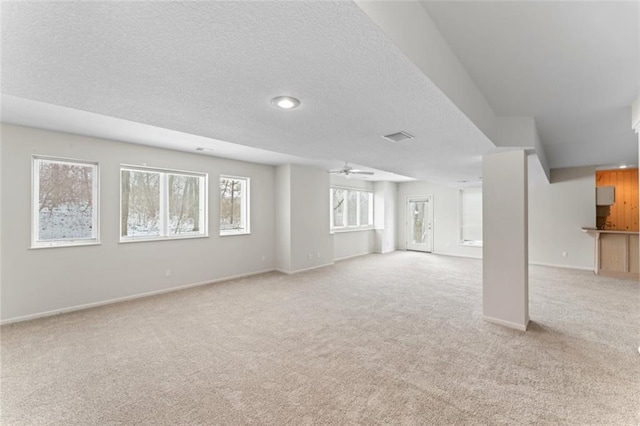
205	72
574	66
26	112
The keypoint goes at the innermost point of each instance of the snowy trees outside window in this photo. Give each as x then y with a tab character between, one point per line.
351	209
159	204
338	207
184	204
65	202
234	205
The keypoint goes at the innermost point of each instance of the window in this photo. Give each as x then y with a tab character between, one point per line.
65	202
162	204
351	209
471	216
337	207
234	205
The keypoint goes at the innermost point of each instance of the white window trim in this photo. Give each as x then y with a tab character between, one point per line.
245	213
164	207
350	228
35	201
461	241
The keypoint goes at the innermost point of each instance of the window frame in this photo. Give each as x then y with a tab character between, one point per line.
245	213
163	205
461	240
36	243
345	211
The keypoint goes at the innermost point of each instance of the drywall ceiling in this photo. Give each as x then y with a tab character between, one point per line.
574	66
30	113
210	69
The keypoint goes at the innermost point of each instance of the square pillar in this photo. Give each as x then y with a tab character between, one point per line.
505	257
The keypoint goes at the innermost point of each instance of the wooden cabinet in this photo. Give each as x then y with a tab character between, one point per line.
616	253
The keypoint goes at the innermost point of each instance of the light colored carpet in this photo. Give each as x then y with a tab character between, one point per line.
381	339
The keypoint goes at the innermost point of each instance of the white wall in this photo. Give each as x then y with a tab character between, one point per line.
311	241
1	275
353	243
283	217
385	209
303	239
37	281
557	211
446	219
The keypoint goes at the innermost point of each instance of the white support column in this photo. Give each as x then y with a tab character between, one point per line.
505	258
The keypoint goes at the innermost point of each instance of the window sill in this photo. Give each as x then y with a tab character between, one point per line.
152	239
65	245
471	244
233	234
342	231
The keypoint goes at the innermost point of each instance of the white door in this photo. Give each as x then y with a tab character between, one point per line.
420	223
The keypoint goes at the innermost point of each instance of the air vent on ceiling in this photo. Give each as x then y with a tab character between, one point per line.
398	137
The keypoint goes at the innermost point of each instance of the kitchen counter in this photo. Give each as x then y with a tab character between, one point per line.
617	253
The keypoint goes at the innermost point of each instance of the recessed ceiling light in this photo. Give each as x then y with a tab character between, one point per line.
623	166
285	102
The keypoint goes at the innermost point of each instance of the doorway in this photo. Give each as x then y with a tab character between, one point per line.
420	223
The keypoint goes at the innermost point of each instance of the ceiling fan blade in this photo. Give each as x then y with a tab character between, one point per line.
335	171
360	172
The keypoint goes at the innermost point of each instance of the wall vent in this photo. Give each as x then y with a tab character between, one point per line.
398	137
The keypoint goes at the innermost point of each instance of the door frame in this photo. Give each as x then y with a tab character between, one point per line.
430	221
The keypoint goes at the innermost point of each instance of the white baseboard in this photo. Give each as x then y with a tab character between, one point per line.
384	251
553	265
509	324
466	256
124	299
303	270
352	256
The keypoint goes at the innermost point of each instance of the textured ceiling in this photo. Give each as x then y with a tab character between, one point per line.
574	66
211	68
30	113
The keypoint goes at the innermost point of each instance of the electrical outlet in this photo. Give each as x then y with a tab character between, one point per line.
310	256
565	254
167	273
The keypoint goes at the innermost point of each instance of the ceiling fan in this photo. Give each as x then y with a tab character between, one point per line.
347	170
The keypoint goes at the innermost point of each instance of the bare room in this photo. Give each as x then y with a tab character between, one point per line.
319	212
